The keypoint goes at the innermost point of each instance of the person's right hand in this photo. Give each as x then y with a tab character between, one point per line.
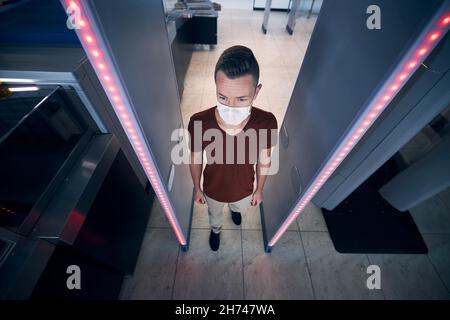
199	196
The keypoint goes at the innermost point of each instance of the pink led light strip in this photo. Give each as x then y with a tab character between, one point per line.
95	49
431	36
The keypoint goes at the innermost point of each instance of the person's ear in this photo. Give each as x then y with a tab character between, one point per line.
258	87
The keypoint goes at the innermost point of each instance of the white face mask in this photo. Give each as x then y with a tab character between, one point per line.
233	115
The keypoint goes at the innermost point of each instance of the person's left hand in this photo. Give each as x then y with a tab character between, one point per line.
257	198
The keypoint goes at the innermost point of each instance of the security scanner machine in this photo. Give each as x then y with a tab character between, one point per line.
87	149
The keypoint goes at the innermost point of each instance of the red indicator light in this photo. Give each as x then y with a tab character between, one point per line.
445	21
73	5
89	39
422	51
412	64
403	76
434	36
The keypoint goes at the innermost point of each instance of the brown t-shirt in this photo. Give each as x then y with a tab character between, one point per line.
225	181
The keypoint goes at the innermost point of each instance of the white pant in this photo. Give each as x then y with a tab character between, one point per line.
215	210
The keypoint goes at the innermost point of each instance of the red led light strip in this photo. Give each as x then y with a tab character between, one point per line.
7	210
101	61
426	42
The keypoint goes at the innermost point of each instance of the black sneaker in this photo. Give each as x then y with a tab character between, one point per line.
236	217
214	241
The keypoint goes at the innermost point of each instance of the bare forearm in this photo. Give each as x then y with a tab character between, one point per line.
261	178
196	173
196	167
262	169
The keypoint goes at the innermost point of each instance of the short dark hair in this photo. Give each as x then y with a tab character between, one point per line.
238	61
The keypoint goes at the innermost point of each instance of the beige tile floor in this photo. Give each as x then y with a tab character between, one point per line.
304	264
